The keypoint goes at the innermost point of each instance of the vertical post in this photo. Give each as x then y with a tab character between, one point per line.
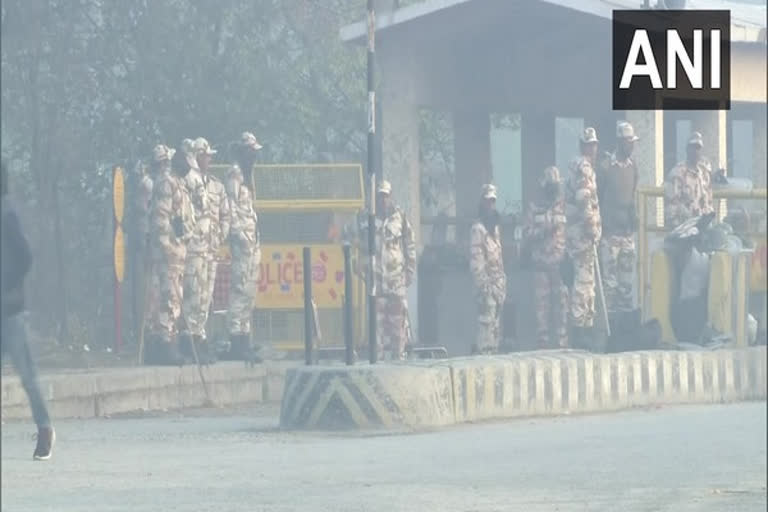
308	319
118	249
348	345
372	350
118	319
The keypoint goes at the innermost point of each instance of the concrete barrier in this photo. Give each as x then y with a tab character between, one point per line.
362	397
516	385
107	391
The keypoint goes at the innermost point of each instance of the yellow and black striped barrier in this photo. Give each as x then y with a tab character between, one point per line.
451	391
360	397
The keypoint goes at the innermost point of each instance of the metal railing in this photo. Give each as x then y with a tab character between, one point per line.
720	197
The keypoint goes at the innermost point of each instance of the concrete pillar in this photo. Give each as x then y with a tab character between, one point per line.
713	127
538	148
400	149
649	155
472	163
759	150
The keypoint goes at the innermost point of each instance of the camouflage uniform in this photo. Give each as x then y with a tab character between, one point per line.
246	255
394	272
212	222
487	268
583	232
688	190
220	226
545	231
171	224
617	182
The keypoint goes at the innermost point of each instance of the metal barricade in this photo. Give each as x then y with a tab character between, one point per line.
645	228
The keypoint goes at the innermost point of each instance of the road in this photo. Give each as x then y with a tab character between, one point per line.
679	459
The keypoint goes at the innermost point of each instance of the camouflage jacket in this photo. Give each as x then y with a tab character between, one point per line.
170	207
582	211
209	200
395	253
244	229
221	215
545	233
687	193
486	263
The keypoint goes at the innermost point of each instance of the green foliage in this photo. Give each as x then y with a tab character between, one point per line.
88	84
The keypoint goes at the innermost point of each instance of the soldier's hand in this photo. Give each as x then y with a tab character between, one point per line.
178	227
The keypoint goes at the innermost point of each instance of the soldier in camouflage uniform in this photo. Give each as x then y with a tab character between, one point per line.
583	232
245	250
171	225
487	268
545	231
616	184
688	187
212	221
394	272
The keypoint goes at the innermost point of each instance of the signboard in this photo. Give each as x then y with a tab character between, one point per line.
310	182
118	194
758	271
119	254
281	278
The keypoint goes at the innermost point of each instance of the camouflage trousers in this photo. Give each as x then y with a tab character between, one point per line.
165	312
243	283
391	332
617	258
213	267
196	289
489	311
551	304
582	299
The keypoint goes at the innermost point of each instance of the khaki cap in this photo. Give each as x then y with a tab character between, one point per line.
489	191
626	131
589	135
385	187
161	153
202	147
696	140
249	140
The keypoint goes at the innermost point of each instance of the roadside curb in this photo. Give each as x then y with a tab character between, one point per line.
106	391
516	385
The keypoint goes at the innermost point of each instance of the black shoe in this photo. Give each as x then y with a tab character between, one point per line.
166	354
204	353
46	436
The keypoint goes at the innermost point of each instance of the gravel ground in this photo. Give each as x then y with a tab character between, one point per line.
678	459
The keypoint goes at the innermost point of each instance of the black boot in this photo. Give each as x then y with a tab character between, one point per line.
204	353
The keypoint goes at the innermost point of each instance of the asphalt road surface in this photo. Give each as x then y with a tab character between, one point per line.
679	459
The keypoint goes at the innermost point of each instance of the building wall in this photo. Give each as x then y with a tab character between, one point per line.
748	72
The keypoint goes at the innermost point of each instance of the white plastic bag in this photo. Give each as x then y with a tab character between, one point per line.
693	280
